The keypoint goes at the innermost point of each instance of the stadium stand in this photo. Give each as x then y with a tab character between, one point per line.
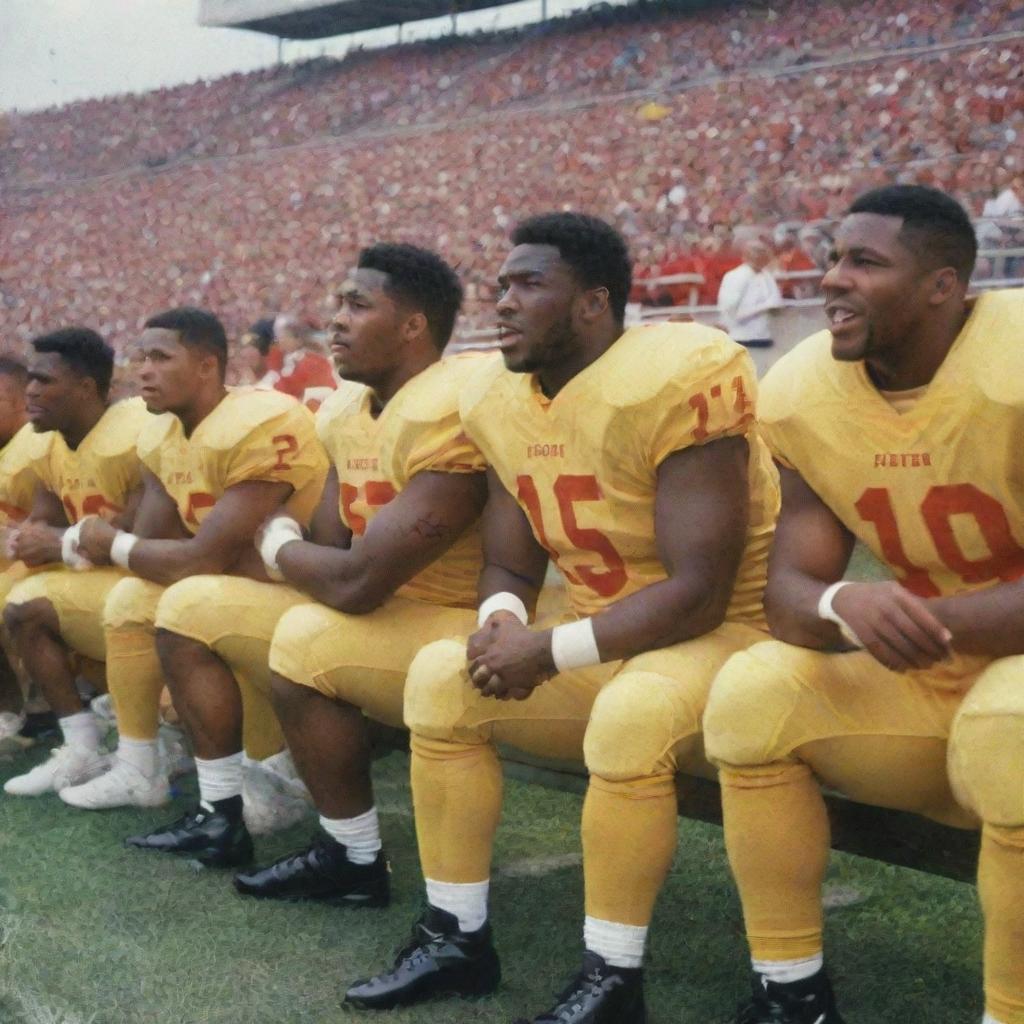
240	194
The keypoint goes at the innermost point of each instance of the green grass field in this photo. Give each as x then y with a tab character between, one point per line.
91	933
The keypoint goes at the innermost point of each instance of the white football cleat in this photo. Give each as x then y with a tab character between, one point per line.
272	801
123	786
67	766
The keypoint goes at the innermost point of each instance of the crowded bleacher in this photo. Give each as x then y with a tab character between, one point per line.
247	194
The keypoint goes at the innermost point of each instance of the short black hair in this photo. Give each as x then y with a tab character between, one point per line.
935	226
263	335
596	252
198	328
421	279
84	351
15	369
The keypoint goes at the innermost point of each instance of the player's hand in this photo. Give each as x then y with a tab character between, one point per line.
508	660
95	538
37	544
894	626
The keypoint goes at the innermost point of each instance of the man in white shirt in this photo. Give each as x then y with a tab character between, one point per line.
747	297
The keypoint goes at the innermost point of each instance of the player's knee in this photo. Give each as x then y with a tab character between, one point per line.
185	609
292	645
436	689
635	726
132	602
749	703
986	746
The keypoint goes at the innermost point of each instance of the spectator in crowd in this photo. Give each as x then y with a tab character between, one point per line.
791	259
258	360
304	365
748	296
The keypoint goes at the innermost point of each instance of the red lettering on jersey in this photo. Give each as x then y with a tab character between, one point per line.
286	446
197	501
940	504
545	451
376	493
902	460
570	489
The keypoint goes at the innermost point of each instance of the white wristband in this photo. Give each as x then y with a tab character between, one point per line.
573	645
69	548
122	548
503	601
829	614
280	532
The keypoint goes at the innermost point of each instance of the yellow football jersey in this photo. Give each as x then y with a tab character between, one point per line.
583	466
937	491
376	457
17	477
252	434
97	477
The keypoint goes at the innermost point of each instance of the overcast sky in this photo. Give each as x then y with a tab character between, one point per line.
56	51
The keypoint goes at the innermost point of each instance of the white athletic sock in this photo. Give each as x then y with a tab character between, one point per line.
360	835
620	945
782	972
467	901
220	778
141	754
80	730
989	1019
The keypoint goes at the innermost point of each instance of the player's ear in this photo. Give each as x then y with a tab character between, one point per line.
945	283
594	303
415	326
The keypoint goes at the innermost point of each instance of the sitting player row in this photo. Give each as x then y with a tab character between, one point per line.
415	591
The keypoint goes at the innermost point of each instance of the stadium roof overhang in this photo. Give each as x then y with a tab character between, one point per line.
315	19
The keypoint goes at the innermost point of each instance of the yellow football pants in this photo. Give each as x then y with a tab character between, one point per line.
78	598
782	717
634	723
235	618
362	659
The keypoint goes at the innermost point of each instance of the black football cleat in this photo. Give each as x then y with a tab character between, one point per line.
210	836
321	872
439	960
599	994
809	1001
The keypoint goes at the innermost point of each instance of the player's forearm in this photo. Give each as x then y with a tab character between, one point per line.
660	615
495	579
987	622
791	606
168	561
338	578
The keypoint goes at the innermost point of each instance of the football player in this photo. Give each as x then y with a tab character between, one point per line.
17	486
900	427
629	458
86	465
392	559
215	464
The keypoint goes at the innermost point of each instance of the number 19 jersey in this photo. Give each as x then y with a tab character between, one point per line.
936	491
583	466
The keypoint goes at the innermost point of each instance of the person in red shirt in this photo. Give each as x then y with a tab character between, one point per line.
304	365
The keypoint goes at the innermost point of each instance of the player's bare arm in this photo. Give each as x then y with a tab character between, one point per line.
988	622
811	551
37	541
701	552
406	536
326	527
222	539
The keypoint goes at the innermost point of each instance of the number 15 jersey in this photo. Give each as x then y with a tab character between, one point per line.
583	466
936	491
